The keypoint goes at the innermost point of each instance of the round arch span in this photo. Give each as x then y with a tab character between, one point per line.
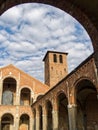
87	105
66	6
74	8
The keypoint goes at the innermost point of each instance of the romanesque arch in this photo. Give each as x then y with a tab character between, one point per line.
49	109
67	6
25	96
7	122
39	96
87	105
9	91
24	123
62	111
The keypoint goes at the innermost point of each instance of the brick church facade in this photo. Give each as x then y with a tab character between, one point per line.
64	102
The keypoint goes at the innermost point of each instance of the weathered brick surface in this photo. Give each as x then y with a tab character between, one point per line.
19	81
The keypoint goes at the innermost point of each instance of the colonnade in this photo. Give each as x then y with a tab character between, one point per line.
52	118
80	112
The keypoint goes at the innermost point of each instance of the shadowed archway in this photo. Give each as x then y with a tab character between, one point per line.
24	122
87	105
63	111
7	122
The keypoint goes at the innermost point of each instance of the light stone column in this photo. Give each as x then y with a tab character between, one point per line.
31	121
17	118
72	113
44	118
17	123
55	115
37	119
18	93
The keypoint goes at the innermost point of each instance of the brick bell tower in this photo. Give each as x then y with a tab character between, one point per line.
55	65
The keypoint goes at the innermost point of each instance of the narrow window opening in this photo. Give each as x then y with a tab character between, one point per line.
60	58
55	57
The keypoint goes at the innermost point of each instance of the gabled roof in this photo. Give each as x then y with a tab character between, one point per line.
22	72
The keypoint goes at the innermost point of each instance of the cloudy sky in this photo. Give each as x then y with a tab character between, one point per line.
27	31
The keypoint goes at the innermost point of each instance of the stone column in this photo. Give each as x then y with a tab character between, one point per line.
37	119
17	93
44	118
55	115
17	119
72	111
31	121
17	123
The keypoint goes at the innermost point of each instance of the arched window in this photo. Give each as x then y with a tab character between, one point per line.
25	96
60	59
9	91
55	58
7	122
24	122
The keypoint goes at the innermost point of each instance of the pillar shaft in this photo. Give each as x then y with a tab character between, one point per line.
55	119
44	119
33	122
17	124
37	120
72	111
55	114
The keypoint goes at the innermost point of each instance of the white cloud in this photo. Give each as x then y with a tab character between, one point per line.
29	30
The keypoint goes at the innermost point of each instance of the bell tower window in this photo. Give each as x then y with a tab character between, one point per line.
55	58
60	58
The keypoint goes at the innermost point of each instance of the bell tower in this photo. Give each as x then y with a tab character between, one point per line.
55	65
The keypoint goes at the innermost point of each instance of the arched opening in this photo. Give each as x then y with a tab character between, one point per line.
60	59
43	46
68	6
25	96
40	118
87	105
7	122
49	115
24	122
62	112
39	96
9	91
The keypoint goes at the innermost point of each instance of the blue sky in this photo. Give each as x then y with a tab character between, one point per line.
27	31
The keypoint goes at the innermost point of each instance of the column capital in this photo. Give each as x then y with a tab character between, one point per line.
72	105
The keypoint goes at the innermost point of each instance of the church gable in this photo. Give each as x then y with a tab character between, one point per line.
9	71
24	80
